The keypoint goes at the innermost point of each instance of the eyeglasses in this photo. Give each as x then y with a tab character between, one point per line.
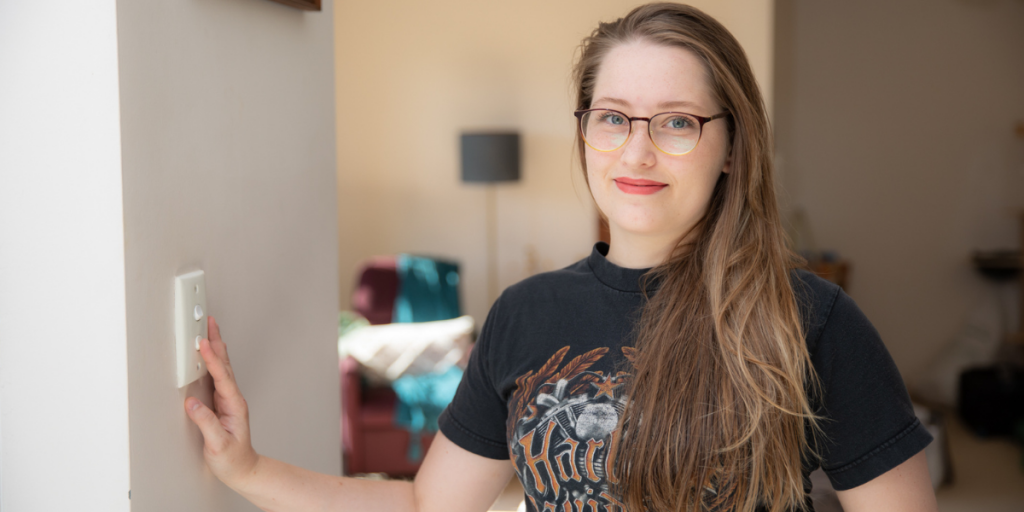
673	133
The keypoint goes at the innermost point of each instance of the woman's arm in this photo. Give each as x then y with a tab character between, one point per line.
904	488
450	478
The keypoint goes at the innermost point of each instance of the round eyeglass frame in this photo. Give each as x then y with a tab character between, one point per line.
700	119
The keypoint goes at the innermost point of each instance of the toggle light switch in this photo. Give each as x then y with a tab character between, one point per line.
189	325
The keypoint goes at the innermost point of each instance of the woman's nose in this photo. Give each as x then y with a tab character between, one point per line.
639	150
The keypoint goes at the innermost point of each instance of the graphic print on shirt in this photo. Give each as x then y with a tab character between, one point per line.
562	429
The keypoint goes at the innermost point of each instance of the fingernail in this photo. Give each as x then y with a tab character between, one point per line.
193	404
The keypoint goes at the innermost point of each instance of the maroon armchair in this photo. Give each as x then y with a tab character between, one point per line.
370	440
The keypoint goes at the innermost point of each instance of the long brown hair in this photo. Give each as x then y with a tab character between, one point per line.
718	402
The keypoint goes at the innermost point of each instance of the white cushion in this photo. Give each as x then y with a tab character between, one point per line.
391	351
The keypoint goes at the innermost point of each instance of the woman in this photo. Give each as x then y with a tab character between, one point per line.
687	366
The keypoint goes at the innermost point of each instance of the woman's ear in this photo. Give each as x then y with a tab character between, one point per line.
728	164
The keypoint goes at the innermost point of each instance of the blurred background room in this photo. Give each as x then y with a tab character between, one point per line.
899	157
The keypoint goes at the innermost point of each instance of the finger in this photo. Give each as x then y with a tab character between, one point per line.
216	341
214	435
214	328
223	378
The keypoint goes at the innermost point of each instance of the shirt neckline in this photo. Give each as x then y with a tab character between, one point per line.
612	275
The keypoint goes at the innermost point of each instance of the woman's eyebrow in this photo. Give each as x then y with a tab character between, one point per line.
616	101
677	104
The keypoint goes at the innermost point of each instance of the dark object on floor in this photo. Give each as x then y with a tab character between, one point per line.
991	400
1002	265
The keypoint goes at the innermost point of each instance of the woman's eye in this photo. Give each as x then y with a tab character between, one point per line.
678	123
613	119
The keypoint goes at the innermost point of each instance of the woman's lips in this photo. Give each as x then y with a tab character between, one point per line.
642	187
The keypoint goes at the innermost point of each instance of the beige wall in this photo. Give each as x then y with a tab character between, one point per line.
412	75
228	166
895	134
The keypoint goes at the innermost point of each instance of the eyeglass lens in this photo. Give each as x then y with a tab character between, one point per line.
673	133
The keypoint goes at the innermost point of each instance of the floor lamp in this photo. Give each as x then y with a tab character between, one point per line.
490	158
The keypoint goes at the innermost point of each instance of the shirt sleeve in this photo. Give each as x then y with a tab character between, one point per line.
869	426
475	419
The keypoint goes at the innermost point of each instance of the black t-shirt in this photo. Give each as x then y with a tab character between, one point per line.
544	385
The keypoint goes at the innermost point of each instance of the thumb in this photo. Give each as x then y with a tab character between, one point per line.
208	423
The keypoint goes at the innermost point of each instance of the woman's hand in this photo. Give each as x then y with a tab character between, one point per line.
228	449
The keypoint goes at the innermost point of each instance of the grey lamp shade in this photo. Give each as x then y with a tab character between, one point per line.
490	157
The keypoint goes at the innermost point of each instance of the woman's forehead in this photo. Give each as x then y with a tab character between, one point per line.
643	75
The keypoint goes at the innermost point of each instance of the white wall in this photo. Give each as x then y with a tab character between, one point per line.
896	135
455	65
63	372
140	141
227	118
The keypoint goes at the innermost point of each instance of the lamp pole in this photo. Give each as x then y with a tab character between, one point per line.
492	244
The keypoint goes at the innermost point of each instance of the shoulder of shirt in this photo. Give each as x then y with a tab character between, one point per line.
810	286
815	298
546	281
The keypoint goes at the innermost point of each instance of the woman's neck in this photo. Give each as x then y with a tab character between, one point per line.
632	250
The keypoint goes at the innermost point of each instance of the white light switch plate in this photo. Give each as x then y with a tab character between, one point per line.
189	325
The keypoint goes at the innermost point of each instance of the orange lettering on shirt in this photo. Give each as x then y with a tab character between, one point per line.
592	447
571	452
533	460
609	464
